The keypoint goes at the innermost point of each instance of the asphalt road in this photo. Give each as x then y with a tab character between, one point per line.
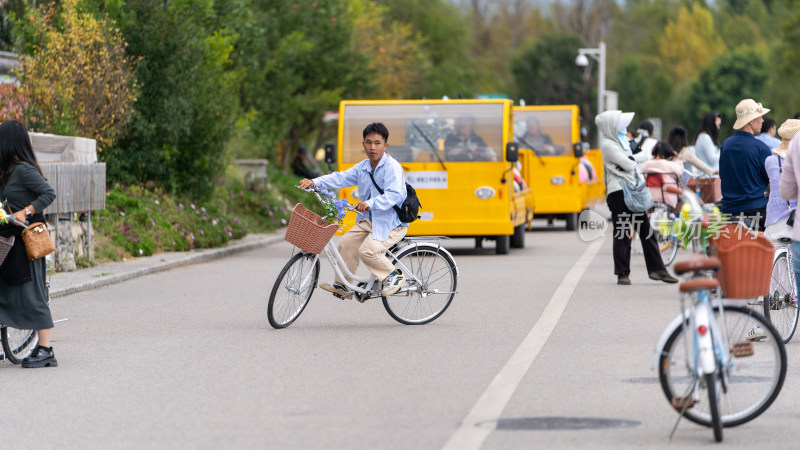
186	359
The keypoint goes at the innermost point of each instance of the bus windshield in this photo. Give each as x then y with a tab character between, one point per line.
428	132
548	133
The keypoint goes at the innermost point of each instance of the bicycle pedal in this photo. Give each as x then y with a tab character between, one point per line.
742	349
682	404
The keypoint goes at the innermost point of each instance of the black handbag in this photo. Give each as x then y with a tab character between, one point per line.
407	212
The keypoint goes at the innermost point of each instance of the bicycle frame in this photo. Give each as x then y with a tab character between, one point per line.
708	338
363	285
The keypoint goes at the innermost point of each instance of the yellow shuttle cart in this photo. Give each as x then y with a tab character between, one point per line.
565	176
459	157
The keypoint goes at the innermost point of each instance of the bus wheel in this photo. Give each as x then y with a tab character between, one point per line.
518	239
502	244
572	221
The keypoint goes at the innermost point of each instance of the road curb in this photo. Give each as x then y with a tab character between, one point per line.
190	258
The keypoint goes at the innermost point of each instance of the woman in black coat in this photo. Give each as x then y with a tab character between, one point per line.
23	293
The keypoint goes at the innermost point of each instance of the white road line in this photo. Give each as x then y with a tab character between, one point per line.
480	421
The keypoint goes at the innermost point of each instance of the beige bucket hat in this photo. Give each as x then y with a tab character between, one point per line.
746	111
787	131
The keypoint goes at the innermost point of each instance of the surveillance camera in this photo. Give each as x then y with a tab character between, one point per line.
581	60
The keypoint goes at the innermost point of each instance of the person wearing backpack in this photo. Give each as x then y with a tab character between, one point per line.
382	189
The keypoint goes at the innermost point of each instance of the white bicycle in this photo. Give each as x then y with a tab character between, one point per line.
709	371
780	308
430	270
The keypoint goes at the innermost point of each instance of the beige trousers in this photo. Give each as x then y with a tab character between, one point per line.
358	245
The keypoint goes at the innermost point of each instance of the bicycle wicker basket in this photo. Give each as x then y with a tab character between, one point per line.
746	262
308	231
5	246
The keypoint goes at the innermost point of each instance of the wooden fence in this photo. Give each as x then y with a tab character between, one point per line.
79	187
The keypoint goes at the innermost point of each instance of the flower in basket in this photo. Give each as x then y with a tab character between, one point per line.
335	210
709	227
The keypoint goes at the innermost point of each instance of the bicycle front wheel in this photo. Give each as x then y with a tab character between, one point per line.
431	277
18	344
780	308
292	289
752	376
714	385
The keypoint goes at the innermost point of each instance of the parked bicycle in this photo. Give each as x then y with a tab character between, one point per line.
17	344
709	371
780	306
664	218
431	273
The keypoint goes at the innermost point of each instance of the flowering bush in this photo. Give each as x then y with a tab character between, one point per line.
143	223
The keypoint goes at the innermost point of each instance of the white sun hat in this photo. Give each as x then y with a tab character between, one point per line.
746	111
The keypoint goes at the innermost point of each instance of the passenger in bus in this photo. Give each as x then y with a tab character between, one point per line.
465	144
536	140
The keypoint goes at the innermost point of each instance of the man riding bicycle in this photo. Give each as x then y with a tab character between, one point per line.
377	225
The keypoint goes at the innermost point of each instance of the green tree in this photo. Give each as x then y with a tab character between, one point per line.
782	99
446	44
689	43
731	77
545	73
76	80
298	61
188	103
645	90
391	49
11	11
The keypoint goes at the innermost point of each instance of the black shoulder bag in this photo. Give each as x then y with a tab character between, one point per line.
407	212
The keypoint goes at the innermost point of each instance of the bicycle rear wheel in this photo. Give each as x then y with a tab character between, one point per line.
752	378
420	302
662	226
292	289
18	344
780	308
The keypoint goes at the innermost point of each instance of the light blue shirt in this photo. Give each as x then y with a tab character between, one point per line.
772	142
777	208
389	176
706	151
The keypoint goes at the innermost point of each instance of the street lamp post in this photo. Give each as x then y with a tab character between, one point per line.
599	55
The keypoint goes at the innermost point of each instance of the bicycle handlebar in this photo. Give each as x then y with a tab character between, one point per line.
13	219
317	191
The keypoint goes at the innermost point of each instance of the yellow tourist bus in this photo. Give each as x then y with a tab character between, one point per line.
565	176
459	157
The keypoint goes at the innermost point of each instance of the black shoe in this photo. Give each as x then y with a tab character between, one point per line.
663	275
624	280
41	357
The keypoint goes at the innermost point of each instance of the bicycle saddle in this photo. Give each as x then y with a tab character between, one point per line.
697	263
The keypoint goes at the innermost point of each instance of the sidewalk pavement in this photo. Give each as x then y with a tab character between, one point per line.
66	283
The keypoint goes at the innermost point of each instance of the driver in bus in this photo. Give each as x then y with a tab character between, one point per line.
538	141
465	144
